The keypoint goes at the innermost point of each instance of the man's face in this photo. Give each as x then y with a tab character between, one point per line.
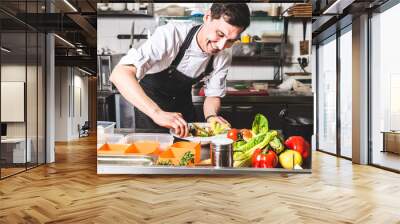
218	34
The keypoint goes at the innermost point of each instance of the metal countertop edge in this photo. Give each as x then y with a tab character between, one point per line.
120	169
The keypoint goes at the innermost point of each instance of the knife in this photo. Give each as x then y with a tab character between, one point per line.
132	34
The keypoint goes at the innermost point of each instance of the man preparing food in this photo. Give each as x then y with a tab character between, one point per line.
173	59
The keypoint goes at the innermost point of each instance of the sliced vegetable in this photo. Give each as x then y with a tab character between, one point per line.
289	159
218	128
260	124
187	158
277	145
165	163
196	130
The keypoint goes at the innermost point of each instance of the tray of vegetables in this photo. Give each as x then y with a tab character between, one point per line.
260	147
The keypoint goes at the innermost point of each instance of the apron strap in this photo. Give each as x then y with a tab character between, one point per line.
186	43
207	72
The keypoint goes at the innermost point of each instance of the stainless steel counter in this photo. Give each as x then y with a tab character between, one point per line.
123	169
109	166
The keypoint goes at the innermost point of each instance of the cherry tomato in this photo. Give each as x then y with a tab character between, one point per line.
233	134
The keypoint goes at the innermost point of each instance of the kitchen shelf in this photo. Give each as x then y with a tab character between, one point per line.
255	60
199	19
125	13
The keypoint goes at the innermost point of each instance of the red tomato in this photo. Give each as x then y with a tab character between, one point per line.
233	134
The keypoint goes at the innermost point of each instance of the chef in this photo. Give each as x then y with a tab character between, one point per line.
157	77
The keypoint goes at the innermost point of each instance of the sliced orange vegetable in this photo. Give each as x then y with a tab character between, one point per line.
112	149
146	147
180	148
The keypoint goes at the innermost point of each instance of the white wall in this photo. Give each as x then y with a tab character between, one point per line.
109	28
68	82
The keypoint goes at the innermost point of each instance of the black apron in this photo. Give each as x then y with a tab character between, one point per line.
170	89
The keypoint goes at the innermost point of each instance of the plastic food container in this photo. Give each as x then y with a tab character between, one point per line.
105	127
110	139
164	139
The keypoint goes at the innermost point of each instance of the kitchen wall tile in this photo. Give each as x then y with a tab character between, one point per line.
106	27
124	46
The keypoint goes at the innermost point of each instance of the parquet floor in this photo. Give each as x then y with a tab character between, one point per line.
70	191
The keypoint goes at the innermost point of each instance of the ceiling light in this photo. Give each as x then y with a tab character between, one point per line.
5	50
64	40
337	7
84	71
70	5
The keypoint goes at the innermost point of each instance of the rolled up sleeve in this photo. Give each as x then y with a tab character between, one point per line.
157	49
216	84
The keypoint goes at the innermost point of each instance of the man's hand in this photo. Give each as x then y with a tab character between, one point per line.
172	120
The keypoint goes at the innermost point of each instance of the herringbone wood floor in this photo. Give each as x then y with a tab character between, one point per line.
70	191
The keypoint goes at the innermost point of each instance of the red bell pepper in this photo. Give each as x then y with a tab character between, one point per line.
264	160
299	144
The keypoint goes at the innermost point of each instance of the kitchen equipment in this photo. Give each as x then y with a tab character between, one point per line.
117	6
126	160
304	44
222	152
105	127
103	138
165	140
132	34
104	71
103	6
303	62
172	10
245	38
274	10
260	86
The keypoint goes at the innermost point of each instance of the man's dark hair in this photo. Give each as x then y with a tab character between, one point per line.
236	14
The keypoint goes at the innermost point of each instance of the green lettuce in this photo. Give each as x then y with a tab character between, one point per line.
243	157
237	144
260	124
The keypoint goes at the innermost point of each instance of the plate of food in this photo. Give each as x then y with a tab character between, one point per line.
203	132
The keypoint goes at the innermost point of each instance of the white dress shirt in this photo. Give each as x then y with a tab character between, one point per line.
158	52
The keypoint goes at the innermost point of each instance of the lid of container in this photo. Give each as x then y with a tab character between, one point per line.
221	143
